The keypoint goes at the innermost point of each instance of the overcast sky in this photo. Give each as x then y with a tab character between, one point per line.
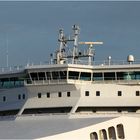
31	28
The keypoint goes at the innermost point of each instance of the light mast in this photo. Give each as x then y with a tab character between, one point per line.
76	30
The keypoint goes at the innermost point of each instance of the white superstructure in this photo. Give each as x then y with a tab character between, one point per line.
72	89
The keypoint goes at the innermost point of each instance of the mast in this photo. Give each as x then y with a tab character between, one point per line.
7	52
62	54
59	54
76	30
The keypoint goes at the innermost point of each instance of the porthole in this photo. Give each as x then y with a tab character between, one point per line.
48	94
97	93
103	134
19	96
59	94
120	131
93	136
111	133
23	96
86	93
119	93
137	93
68	94
39	95
4	98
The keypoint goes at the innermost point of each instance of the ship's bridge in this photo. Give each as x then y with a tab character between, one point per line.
59	73
70	73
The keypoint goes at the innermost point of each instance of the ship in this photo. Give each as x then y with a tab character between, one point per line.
71	97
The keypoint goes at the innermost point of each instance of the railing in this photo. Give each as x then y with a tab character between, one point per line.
27	81
86	62
40	82
133	82
82	62
11	69
75	80
72	115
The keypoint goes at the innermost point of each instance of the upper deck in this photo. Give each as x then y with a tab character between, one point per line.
75	64
56	73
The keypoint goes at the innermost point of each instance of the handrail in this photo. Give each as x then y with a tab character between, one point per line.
15	69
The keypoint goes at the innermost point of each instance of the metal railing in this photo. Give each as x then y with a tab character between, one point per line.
73	80
43	82
81	62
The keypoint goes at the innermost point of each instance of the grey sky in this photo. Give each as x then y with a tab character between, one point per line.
32	28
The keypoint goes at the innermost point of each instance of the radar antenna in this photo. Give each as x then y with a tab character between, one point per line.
91	52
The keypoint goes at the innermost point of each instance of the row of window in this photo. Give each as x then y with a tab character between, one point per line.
68	94
20	97
137	93
88	76
86	94
59	94
11	82
48	75
112	133
116	76
54	75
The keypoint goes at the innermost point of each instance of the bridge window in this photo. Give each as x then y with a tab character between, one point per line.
97	76
27	78
5	82
109	76
11	82
93	136
137	75
127	75
48	75
120	131
55	75
120	75
85	76
63	74
41	75
34	76
73	75
111	133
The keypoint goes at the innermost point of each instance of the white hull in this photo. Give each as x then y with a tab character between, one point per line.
63	127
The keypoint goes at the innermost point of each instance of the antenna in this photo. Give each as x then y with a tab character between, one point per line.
76	30
90	49
91	43
7	52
